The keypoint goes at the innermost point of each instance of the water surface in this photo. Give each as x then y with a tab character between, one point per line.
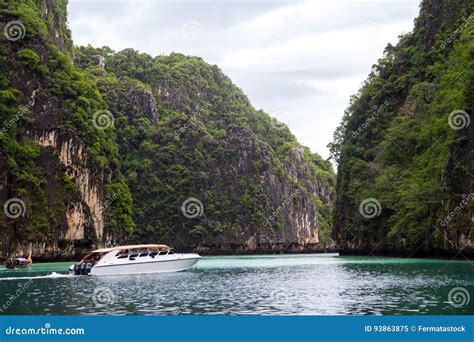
309	284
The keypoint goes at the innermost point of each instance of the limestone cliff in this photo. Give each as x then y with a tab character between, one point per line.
57	169
98	143
404	147
185	132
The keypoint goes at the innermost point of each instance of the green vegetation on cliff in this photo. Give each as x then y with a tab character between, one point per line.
180	129
405	142
42	91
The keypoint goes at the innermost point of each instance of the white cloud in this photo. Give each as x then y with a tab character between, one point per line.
305	58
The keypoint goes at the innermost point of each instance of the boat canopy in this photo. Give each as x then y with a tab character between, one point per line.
118	248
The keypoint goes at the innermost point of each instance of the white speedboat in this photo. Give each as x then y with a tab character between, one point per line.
133	259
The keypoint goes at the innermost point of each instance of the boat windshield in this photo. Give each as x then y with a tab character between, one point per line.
92	258
142	252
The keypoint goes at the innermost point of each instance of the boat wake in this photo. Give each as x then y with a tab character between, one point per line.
48	276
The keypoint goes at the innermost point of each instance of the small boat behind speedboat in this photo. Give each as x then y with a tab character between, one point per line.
13	263
133	259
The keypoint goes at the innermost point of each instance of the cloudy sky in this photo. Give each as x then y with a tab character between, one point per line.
297	60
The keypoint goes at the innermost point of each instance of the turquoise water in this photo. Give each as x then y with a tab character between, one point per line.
317	284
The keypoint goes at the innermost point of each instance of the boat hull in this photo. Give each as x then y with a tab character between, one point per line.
146	266
15	263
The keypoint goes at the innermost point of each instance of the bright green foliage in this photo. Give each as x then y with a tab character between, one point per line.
181	129
29	58
395	144
41	60
188	149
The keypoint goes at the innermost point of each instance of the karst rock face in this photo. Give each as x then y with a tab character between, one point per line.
97	143
405	145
